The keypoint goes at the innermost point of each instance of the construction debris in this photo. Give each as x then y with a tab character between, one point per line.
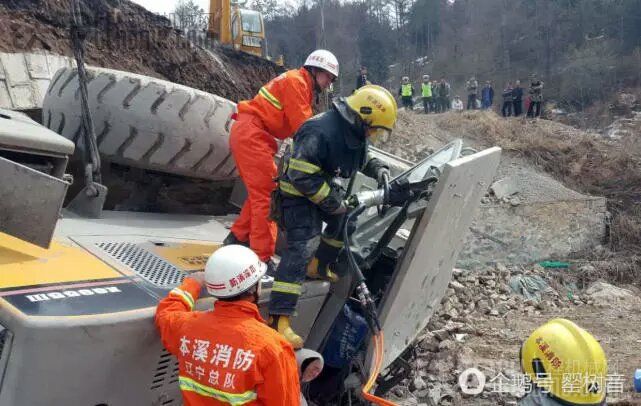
529	287
505	187
604	294
450	343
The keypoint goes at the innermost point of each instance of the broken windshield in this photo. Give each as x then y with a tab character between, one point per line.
444	155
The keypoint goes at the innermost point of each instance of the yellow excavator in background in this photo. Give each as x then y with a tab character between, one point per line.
241	28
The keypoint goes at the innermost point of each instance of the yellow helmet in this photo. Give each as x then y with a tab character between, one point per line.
562	358
374	105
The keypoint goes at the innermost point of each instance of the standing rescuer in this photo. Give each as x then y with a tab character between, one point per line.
330	145
228	355
279	109
426	93
407	93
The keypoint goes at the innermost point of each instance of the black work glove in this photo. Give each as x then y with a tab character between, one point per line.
380	173
399	192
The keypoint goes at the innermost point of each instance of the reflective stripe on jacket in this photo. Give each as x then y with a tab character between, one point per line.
283	104
228	355
325	147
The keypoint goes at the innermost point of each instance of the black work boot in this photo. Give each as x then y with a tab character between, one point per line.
232	240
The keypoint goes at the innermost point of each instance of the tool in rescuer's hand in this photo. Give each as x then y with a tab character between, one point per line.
399	192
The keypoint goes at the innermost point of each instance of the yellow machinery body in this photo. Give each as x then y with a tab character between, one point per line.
241	28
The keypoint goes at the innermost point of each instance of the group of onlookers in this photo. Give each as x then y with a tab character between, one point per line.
513	98
436	96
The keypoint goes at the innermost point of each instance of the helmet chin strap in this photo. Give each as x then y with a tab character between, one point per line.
256	293
317	89
352	118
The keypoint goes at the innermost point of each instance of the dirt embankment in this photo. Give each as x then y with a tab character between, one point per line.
125	36
583	161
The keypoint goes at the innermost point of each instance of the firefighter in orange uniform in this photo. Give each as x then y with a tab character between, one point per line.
228	355
277	112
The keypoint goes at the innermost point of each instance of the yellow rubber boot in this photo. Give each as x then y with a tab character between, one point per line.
313	272
281	324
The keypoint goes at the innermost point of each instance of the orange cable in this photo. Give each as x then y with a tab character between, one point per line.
379	353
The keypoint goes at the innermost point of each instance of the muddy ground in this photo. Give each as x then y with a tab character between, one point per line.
617	330
482	323
124	36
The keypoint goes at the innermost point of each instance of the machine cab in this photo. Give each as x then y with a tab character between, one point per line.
248	31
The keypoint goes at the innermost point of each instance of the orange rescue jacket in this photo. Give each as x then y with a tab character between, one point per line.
228	355
283	104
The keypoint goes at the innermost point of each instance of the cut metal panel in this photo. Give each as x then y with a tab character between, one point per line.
425	269
30	202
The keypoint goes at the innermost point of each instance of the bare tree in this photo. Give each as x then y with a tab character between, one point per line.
189	16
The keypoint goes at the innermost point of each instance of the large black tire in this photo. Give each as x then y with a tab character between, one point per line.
145	122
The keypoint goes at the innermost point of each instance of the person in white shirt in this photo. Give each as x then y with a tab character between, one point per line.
457	104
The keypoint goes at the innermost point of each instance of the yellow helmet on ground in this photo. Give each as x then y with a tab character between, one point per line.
564	359
374	105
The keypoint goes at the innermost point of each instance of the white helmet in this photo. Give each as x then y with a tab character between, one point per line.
232	270
324	60
313	361
426	77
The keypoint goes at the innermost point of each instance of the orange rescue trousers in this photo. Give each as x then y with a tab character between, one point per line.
253	149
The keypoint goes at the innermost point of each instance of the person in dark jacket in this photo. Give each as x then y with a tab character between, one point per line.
487	95
444	95
436	103
362	80
517	99
506	109
330	145
472	86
